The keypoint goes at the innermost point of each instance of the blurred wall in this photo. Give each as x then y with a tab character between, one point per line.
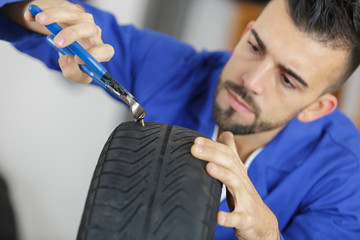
51	134
350	99
202	23
207	24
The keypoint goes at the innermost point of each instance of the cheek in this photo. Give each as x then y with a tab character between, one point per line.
275	109
234	69
237	63
221	97
273	105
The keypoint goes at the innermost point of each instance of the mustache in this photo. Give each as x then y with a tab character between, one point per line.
244	94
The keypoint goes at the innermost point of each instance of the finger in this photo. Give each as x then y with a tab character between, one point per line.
232	178
211	144
212	152
102	53
46	4
233	219
71	70
77	32
28	16
224	175
227	138
63	15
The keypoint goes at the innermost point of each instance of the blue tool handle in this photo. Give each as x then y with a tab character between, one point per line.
75	47
84	68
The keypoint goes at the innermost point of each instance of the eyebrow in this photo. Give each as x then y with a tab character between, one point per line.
294	75
258	40
283	67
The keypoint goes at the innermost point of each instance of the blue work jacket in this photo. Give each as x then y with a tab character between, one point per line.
308	175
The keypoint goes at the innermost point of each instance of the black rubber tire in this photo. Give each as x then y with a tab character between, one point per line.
7	218
147	185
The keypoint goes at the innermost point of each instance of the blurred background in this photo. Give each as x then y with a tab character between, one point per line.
52	130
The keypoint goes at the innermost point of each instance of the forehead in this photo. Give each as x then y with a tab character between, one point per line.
317	63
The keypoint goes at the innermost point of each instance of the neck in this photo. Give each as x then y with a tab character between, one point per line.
246	144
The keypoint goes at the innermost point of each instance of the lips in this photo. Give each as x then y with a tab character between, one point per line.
237	103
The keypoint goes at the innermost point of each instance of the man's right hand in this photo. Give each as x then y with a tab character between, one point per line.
77	26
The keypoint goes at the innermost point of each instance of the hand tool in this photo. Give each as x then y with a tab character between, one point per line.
94	69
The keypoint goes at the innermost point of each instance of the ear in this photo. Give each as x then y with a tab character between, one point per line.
323	106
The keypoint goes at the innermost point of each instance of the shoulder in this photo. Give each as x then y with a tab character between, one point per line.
332	137
338	138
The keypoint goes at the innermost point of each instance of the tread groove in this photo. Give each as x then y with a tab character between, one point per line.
168	215
181	146
136	138
128	187
178	191
160	163
130	174
173	182
121	209
177	169
135	150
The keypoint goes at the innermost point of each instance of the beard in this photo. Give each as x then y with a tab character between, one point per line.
222	117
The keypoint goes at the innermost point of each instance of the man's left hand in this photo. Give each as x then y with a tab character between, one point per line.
249	216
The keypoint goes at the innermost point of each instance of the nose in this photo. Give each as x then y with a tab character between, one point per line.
258	76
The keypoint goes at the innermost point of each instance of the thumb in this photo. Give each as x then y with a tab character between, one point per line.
71	70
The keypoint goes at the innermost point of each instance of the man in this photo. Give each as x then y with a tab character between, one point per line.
288	158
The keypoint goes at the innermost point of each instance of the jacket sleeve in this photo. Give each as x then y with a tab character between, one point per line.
35	45
144	60
26	41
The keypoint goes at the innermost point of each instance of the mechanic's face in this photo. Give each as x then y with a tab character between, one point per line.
275	73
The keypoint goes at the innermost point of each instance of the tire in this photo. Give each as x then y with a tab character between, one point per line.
147	185
8	228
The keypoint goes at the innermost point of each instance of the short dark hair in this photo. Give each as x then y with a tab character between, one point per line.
333	22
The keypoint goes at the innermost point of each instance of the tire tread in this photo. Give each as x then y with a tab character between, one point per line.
147	185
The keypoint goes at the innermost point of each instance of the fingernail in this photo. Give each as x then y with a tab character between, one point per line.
200	141
199	148
59	40
41	17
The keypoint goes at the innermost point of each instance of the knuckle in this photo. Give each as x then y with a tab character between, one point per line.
91	28
87	27
88	17
84	31
89	43
72	6
79	7
98	30
110	52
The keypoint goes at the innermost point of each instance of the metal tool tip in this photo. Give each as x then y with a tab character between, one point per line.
141	121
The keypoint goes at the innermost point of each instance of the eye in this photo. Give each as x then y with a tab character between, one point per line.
287	83
254	48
